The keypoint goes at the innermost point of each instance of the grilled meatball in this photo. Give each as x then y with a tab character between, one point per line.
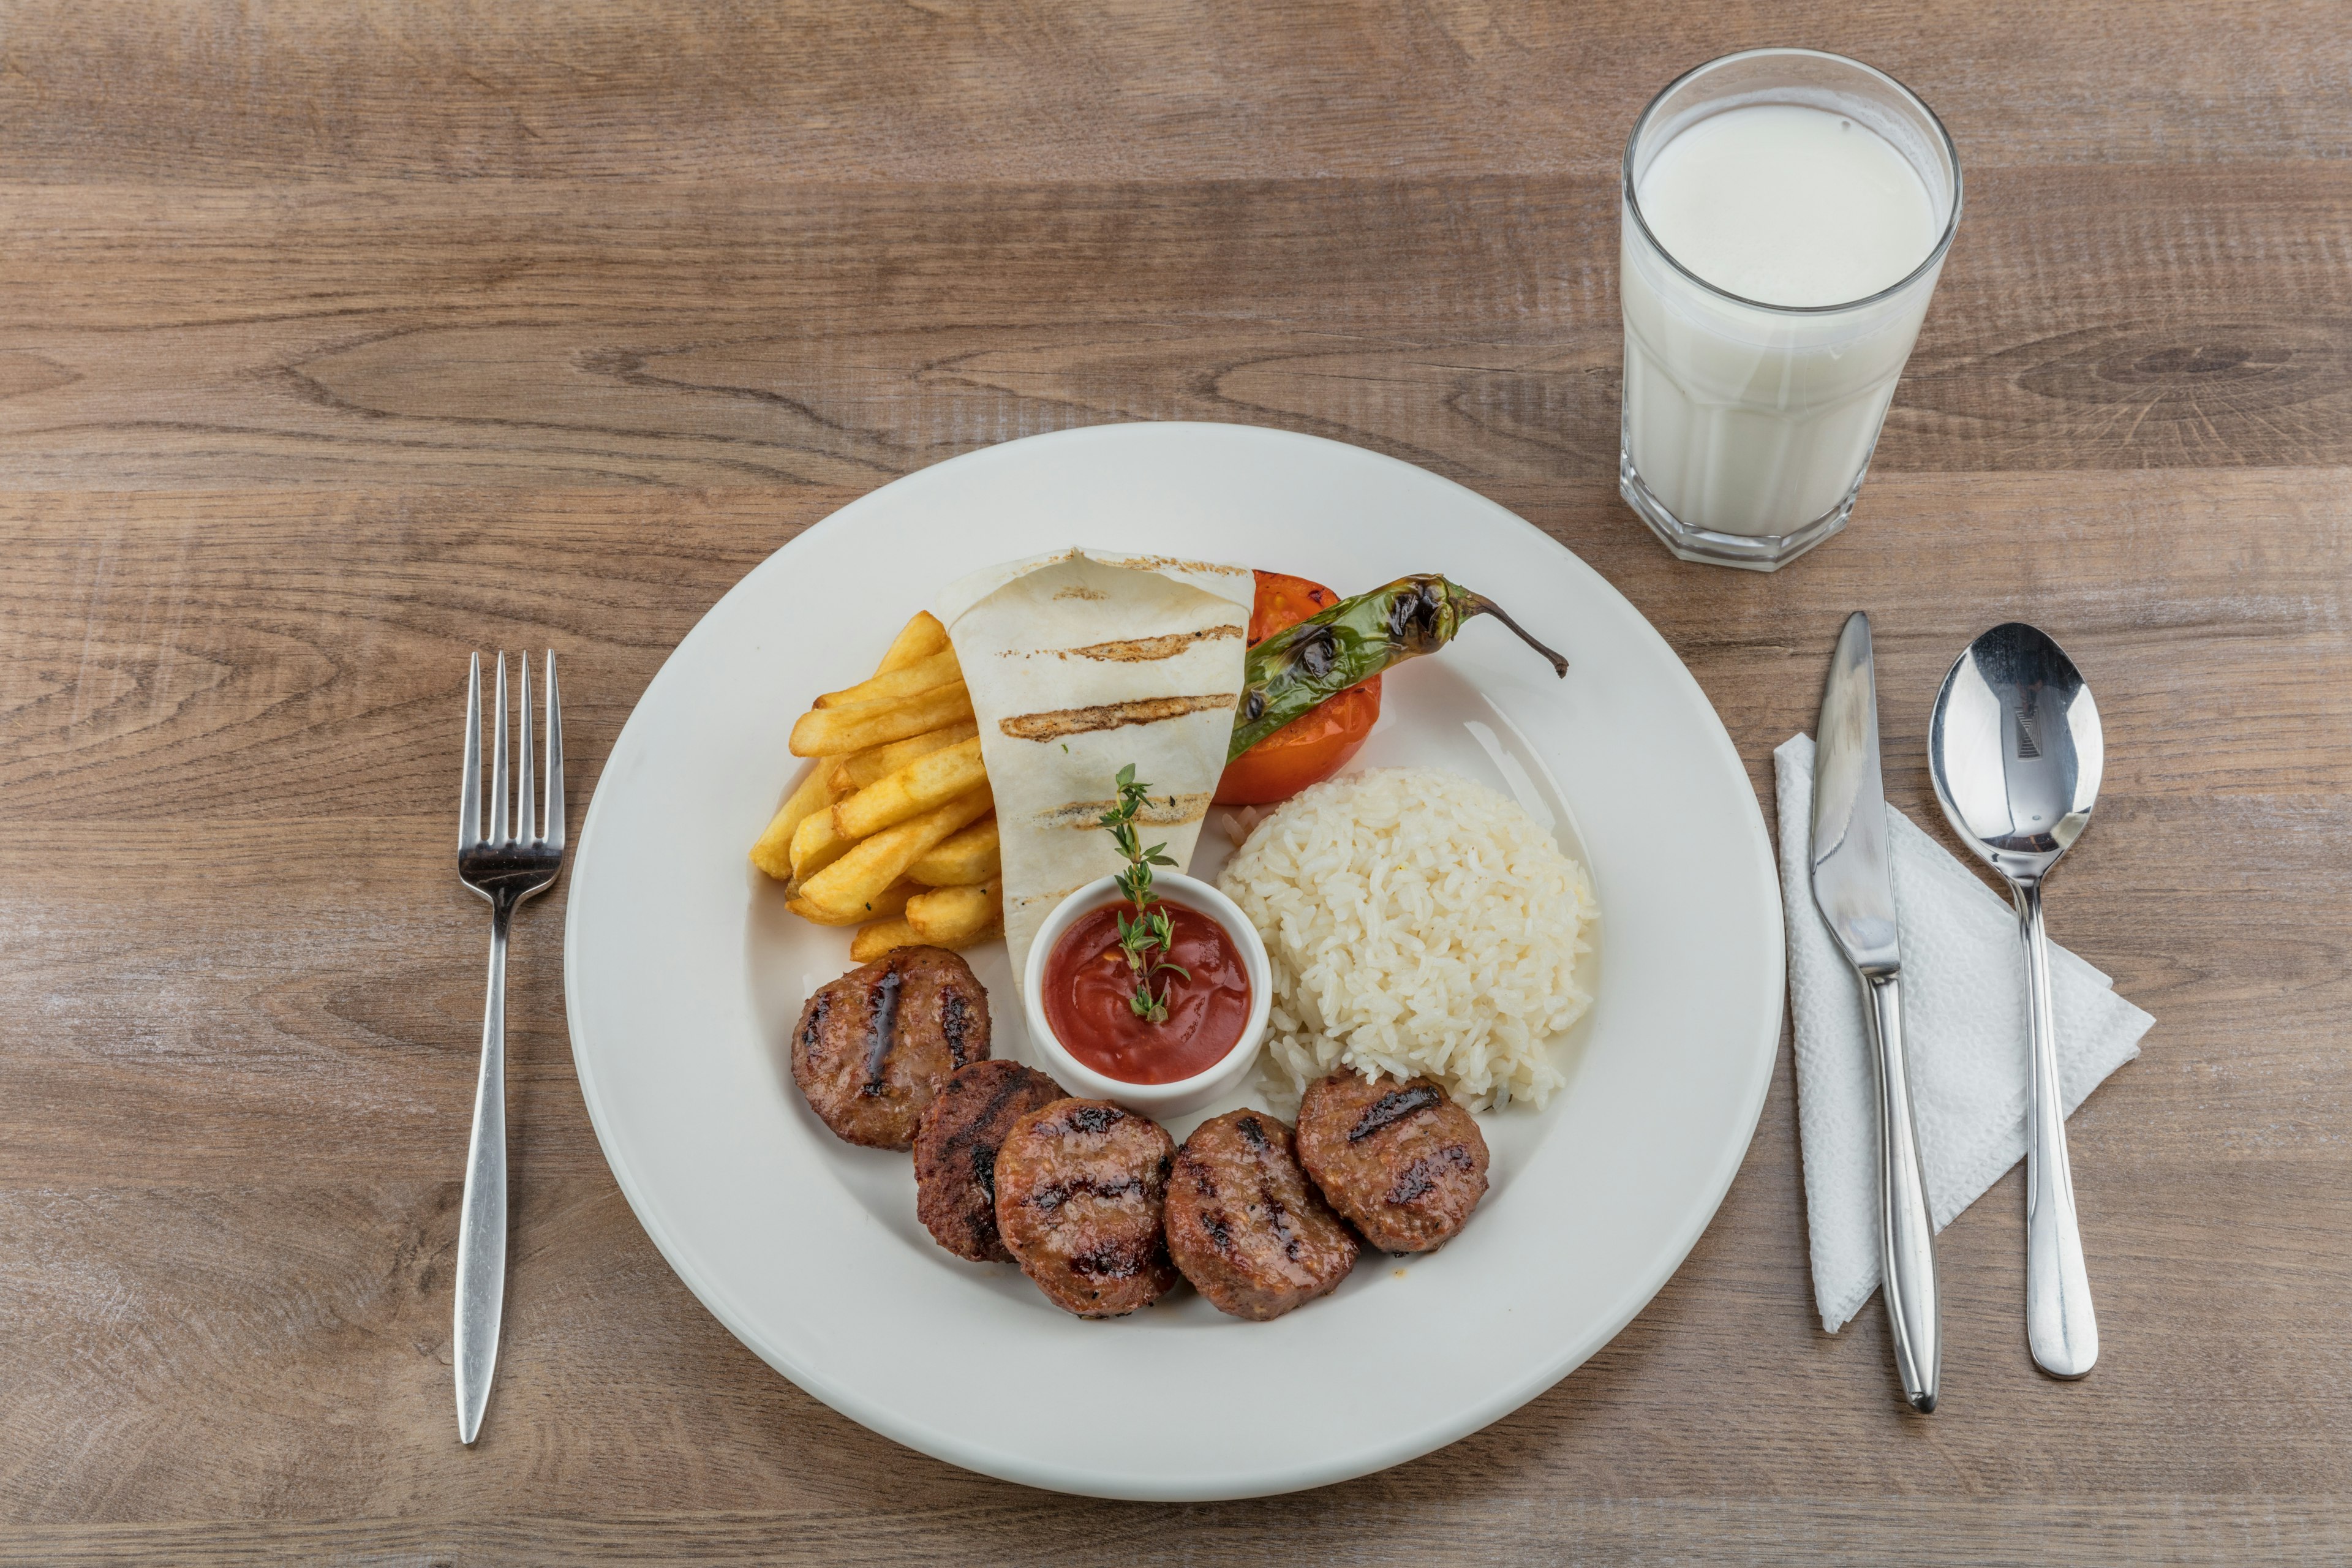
955	1153
1079	1188
1244	1225
1401	1160
874	1046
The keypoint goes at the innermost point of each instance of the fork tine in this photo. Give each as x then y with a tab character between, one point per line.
469	800
499	760
525	829
554	814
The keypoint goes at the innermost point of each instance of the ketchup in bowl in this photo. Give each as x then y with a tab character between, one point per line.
1087	983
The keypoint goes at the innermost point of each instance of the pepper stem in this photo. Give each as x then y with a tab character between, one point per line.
1482	605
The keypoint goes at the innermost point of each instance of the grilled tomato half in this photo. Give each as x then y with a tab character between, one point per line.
1318	744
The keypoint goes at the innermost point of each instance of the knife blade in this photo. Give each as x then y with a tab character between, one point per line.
1851	878
1853	886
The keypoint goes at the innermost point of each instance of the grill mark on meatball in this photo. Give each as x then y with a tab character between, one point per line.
1012	1088
1095	1118
1220	1233
955	1021
815	1032
983	1157
1279	1218
1253	1133
1392	1107
883	1033
1051	1199
1111	1261
1422	1173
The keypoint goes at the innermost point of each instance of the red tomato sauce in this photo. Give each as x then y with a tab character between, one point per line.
1089	980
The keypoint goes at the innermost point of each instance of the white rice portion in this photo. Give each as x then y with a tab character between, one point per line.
1417	922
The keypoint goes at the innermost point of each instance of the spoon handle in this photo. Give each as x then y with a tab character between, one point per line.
2059	1324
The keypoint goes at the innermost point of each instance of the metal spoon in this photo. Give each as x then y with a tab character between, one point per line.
2016	754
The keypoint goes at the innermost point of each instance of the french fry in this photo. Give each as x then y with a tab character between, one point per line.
816	846
963	859
831	732
890	905
920	639
891	685
773	853
872	942
850	883
856	771
917	640
919	785
957	917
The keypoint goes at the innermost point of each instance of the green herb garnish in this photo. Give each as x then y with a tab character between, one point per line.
1150	931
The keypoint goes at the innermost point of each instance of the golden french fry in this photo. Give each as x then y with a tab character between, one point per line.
856	771
994	926
921	638
888	905
891	685
850	883
831	732
962	858
917	640
919	785
816	846
953	917
773	853
872	941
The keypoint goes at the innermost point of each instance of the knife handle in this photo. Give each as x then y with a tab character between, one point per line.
1906	1237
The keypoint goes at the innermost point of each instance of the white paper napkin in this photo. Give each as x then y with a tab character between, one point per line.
1964	1021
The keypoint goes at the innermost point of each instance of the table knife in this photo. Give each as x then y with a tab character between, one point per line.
1857	895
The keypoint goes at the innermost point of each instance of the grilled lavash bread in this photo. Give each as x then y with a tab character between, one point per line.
1080	663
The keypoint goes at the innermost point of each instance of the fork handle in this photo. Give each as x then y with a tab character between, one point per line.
482	1221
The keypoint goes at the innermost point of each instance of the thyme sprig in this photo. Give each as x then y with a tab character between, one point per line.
1150	932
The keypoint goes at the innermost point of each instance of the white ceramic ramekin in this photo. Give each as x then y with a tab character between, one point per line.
1151	1099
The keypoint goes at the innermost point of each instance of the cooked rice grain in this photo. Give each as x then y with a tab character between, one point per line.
1417	923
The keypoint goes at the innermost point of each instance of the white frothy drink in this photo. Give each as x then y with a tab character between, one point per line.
1749	421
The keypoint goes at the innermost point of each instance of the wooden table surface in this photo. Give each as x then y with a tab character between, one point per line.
338	340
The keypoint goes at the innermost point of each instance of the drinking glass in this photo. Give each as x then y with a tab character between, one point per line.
1746	427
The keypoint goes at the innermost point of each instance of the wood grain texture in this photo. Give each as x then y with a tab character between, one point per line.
709	335
319	324
1829	1533
211	91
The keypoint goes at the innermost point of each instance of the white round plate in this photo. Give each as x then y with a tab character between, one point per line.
683	976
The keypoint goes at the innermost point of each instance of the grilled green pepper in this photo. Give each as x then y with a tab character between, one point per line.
1355	640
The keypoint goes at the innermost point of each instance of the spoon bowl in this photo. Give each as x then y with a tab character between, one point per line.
2016	750
2016	754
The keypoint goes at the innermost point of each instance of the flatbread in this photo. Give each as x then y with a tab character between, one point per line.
1080	663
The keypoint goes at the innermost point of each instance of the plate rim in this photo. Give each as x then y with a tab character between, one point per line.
1327	1469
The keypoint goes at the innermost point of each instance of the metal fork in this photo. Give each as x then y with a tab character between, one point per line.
504	869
